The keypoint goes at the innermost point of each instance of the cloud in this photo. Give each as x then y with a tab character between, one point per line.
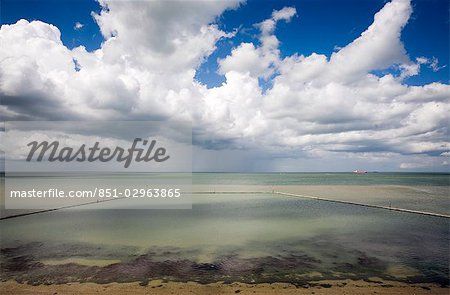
432	63
268	26
410	165
378	47
78	26
320	109
258	61
422	163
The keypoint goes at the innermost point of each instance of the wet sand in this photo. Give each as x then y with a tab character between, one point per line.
158	287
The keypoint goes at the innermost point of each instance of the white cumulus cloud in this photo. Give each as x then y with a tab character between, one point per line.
320	109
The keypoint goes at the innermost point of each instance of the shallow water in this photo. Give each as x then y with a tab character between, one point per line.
247	237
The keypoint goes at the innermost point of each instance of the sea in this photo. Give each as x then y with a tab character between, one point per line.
239	230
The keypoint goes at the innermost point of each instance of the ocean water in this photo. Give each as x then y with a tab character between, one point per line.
374	178
429	192
233	237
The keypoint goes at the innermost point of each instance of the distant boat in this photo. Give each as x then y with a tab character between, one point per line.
359	172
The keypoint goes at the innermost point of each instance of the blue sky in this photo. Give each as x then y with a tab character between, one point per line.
320	26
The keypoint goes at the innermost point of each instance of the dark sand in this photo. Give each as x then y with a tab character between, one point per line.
158	287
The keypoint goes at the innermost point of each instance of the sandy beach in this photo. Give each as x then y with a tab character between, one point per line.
348	287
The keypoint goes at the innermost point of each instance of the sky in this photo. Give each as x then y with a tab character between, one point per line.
267	85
